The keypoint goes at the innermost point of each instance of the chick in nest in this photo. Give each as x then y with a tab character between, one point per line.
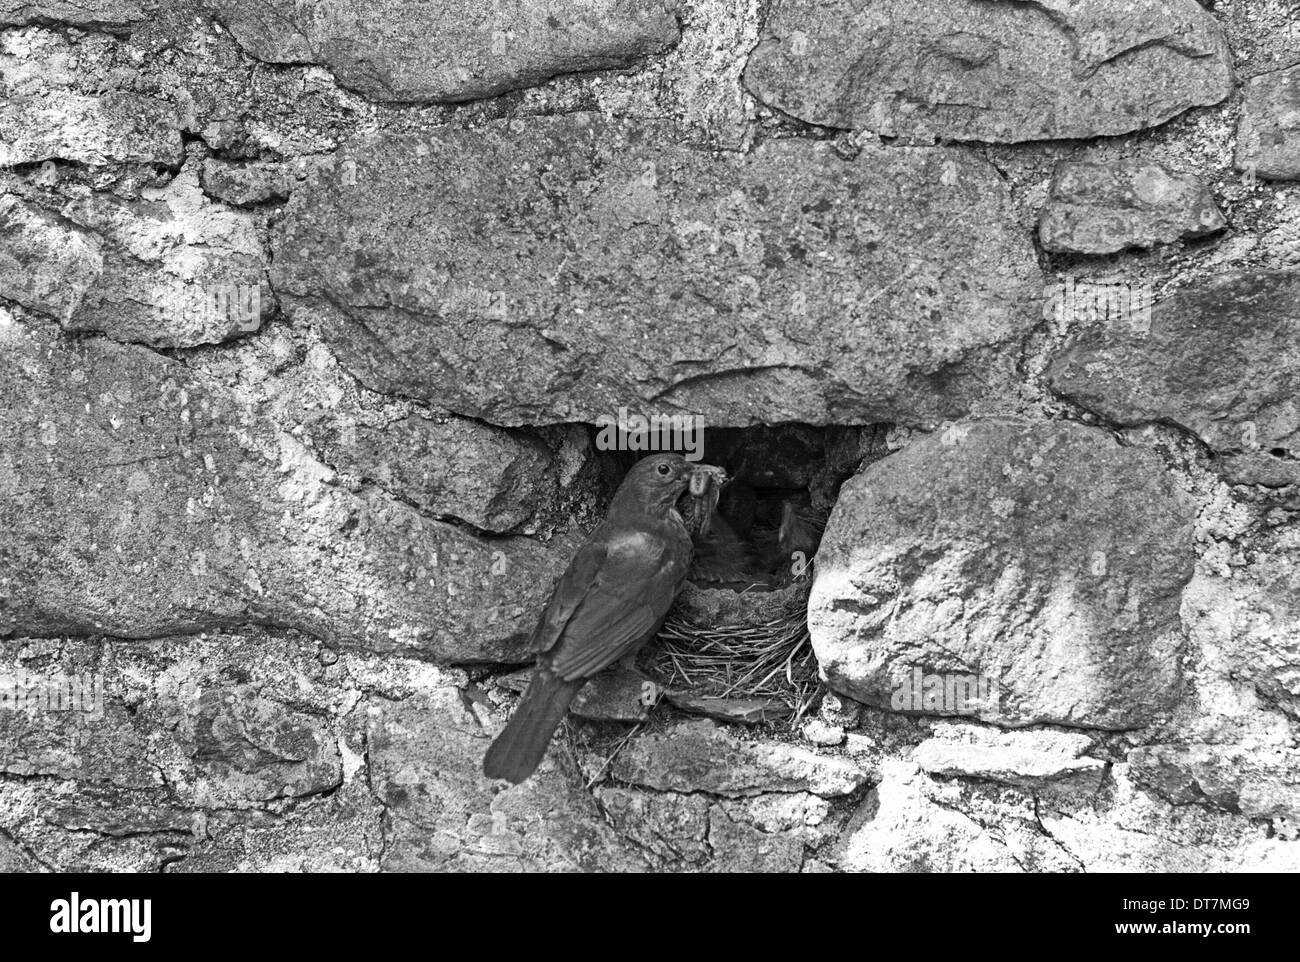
786	539
801	530
723	557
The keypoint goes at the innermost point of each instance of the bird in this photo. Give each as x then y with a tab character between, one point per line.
801	530
610	601
723	557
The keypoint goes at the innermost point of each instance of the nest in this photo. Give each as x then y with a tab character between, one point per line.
722	644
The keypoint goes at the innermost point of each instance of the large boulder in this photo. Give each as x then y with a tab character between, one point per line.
989	70
515	272
138	498
1220	358
1043	560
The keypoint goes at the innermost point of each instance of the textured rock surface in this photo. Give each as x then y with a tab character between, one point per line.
178	269
169	270
1015	758
46	264
490	477
190	514
989	70
396	50
530	254
1221	359
1268	137
1250	623
1236	778
83	13
1140	831
427	758
1104	208
118	127
913	830
255	182
701	756
651	236
998	548
442	814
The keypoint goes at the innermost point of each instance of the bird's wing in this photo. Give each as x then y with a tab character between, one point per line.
569	592
630	594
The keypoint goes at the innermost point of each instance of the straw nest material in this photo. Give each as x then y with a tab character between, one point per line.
754	645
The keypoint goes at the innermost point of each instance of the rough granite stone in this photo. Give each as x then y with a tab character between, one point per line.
744	848
1104	208
508	273
343	833
1042	556
491	477
672	827
1026	758
220	752
1239	778
118	127
1139	831
1250	623
740	711
1221	359
426	754
905	829
1268	136
615	695
169	270
170	717
90	14
408	51
989	70
254	182
46	264
190	513
178	270
701	756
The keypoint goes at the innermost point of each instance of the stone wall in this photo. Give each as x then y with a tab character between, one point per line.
307	310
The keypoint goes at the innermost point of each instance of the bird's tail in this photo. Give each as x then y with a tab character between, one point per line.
521	746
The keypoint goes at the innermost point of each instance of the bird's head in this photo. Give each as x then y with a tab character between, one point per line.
655	484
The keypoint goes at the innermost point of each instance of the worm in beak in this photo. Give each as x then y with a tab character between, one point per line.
705	476
705	487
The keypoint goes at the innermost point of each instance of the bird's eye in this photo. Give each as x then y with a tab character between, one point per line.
664	470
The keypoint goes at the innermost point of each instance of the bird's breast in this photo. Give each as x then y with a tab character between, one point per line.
632	543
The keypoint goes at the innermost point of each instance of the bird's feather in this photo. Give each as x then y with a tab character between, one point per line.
569	592
640	575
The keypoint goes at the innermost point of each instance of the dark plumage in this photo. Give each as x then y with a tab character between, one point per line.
608	603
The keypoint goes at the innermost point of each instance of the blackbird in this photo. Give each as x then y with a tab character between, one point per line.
611	600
